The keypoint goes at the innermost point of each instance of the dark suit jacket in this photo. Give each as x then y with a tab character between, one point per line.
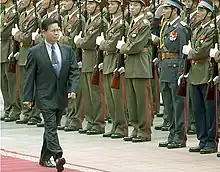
43	85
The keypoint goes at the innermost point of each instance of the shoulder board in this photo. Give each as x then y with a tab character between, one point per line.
212	25
145	21
183	23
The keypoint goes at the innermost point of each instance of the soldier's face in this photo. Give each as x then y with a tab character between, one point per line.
217	3
91	6
135	7
201	14
188	3
3	1
67	4
47	3
167	12
113	7
25	3
52	34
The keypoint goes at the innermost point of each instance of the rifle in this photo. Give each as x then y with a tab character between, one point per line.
183	83
36	15
210	92
59	14
95	74
85	11
13	61
79	50
120	61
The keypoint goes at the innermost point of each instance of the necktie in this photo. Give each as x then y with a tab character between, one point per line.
54	60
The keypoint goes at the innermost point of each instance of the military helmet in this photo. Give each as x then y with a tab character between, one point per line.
144	2
208	4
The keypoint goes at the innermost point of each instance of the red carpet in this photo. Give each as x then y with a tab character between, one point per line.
11	164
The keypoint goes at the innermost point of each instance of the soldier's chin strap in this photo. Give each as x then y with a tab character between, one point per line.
172	8
117	8
95	8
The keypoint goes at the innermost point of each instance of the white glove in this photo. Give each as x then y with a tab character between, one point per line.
120	43
99	39
34	34
79	64
216	80
187	48
10	56
14	30
153	37
115	70
100	66
77	37
181	76
213	51
156	61
121	70
16	55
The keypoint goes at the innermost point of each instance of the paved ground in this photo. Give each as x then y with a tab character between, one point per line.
110	155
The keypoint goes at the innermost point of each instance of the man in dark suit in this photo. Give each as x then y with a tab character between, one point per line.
51	78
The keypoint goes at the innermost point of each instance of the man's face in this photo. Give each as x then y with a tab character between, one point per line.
201	13
91	6
52	34
25	3
167	12
67	4
112	7
135	8
216	2
46	3
4	1
188	3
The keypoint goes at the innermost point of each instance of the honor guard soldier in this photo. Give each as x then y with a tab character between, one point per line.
91	92
28	23
199	76
8	79
73	23
174	36
114	97
138	73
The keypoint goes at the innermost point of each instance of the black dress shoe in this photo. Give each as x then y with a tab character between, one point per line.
10	119
159	115
3	118
158	127
176	145
129	138
59	164
60	127
108	134
218	154
117	136
82	131
40	124
141	139
32	122
23	121
208	150
195	149
94	132
66	129
165	128
163	144
47	163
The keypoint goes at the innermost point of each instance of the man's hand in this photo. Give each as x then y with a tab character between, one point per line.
99	39
71	95
187	48
14	30
27	105
34	34
213	51
77	37
120	43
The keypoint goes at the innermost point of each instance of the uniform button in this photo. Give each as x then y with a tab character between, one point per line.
174	65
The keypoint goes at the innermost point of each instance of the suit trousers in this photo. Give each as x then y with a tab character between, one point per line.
175	108
30	114
205	117
51	146
75	116
139	104
8	88
92	104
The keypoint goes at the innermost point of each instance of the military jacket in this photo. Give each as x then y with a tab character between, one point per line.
202	41
174	37
138	63
7	23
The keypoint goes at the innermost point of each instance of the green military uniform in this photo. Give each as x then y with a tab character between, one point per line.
138	75
114	97
91	93
8	80
27	25
70	30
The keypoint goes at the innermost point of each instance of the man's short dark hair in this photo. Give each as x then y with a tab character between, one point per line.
47	22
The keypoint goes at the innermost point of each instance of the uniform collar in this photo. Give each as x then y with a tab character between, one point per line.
138	18
7	9
115	18
93	17
172	22
204	25
50	13
29	11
